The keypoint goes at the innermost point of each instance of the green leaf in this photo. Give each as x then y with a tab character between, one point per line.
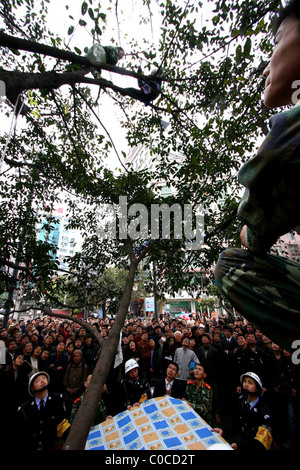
84	8
98	30
247	48
91	13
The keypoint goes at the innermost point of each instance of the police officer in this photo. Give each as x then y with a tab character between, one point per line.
42	419
254	421
133	390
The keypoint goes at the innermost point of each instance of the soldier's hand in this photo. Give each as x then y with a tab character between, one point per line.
243	236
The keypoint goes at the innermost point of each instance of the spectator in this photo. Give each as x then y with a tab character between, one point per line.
183	356
11	351
27	351
281	389
44	360
70	348
255	358
15	383
176	343
229	343
216	342
210	359
49	343
74	379
144	349
167	345
36	358
155	361
58	362
241	362
90	352
138	335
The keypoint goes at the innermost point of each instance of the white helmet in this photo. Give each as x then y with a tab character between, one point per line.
32	379
254	377
130	364
219	446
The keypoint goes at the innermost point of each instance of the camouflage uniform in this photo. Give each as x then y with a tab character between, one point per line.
200	399
265	288
100	415
103	54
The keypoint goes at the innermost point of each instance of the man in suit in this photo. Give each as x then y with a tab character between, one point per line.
228	393
210	359
169	385
229	343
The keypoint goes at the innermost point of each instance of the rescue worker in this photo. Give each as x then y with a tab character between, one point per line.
133	390
105	55
199	394
101	412
253	421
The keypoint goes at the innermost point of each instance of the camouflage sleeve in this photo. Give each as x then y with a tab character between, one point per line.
101	413
188	395
200	401
112	54
204	407
271	201
75	408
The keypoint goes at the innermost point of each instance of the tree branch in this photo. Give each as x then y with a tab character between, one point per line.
32	46
87	326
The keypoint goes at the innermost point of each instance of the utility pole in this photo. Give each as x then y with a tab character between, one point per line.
154	291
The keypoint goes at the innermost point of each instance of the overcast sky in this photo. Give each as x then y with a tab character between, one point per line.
122	28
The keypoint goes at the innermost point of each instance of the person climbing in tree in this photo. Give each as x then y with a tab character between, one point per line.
150	90
105	55
265	288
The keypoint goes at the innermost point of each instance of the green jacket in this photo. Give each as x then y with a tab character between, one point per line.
100	415
200	399
271	201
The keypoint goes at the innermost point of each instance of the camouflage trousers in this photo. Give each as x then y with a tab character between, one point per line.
264	290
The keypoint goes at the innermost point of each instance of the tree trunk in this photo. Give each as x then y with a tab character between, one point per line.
84	418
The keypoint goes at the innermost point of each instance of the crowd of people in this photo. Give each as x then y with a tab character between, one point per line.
199	360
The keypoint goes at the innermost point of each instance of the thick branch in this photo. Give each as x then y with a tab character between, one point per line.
18	82
32	46
87	326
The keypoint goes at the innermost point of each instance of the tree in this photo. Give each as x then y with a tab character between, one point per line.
91	292
210	96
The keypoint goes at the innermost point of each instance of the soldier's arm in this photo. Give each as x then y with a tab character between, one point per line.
270	204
